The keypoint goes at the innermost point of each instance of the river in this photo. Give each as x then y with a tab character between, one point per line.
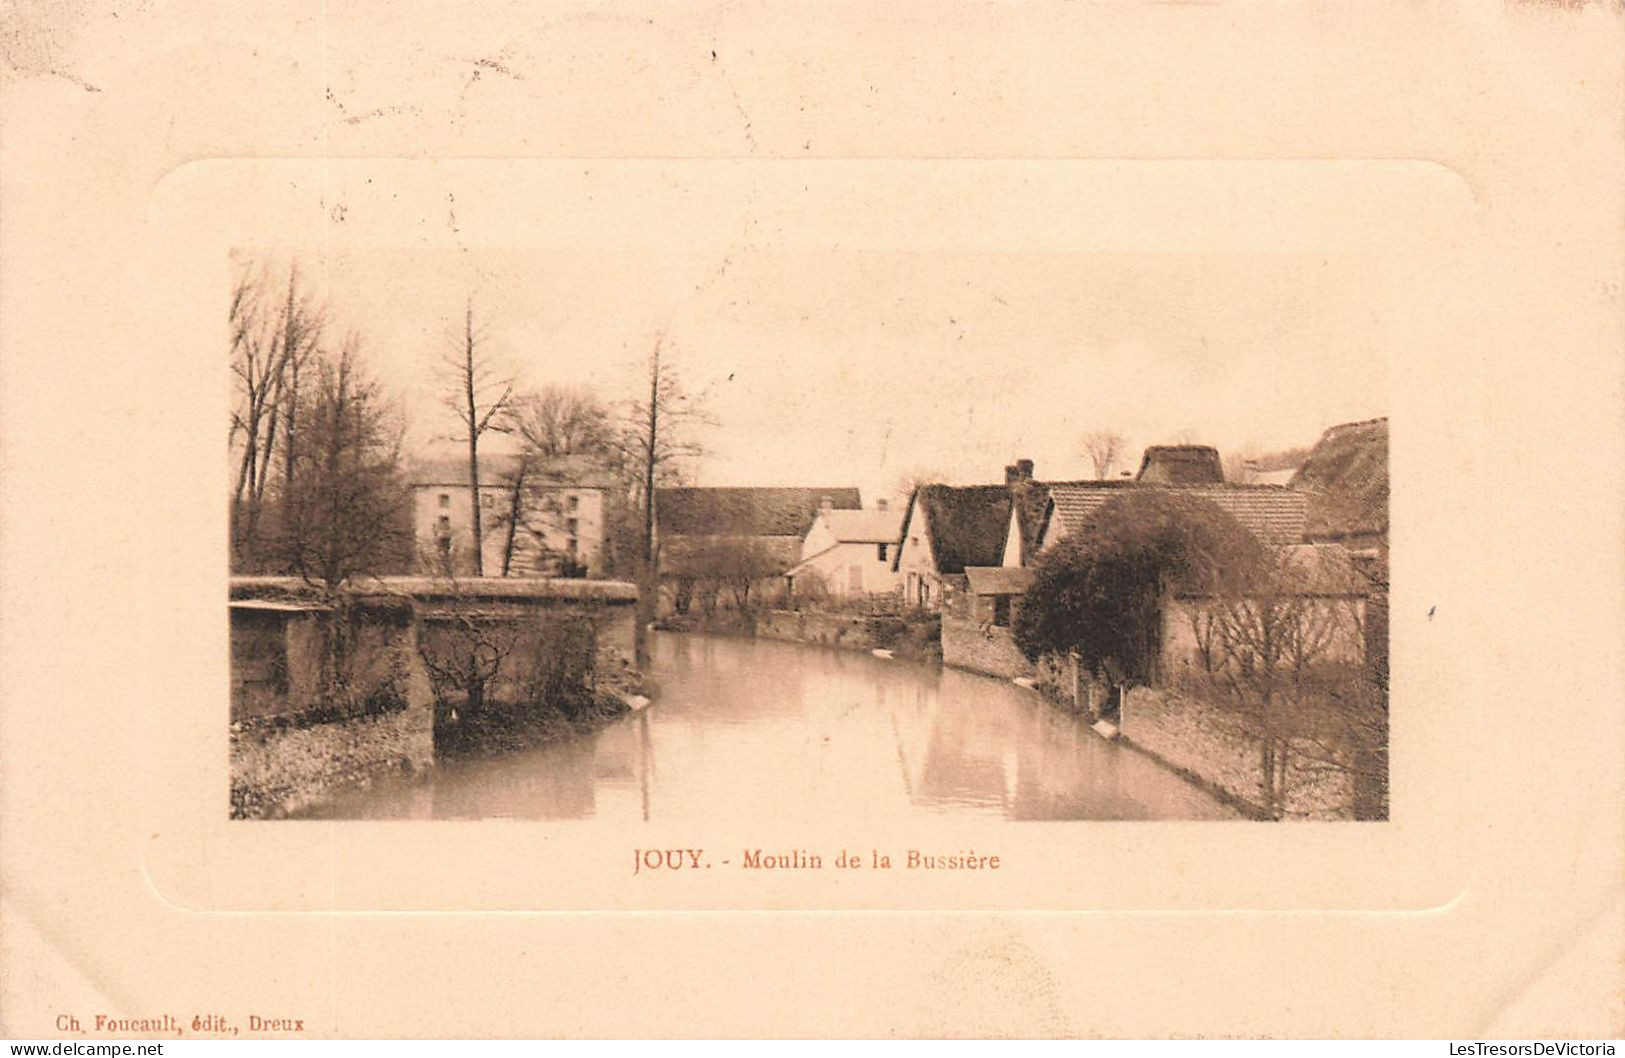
747	729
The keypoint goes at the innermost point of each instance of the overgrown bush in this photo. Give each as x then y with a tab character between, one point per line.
1099	592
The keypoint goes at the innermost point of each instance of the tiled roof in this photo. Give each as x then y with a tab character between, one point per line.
579	471
864	527
1272	513
747	511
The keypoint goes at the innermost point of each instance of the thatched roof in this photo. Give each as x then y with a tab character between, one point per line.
746	511
965	524
1272	513
1181	465
1346	481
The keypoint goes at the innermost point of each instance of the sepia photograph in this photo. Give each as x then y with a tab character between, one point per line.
1022	536
603	520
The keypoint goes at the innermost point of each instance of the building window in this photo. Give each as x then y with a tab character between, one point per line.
445	499
445	545
487	500
570	526
880	552
445	523
1001	610
575	503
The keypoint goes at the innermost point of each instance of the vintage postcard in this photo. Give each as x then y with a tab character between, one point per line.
1011	520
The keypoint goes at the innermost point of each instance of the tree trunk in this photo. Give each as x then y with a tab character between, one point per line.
1267	774
473	441
513	515
289	451
647	578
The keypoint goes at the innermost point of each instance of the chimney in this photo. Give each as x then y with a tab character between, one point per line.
825	503
881	504
1019	471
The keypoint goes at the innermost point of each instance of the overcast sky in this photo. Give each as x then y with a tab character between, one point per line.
834	367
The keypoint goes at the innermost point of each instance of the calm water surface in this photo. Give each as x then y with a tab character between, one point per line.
745	730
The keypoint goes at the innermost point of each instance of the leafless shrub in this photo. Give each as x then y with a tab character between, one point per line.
463	652
1285	656
1103	448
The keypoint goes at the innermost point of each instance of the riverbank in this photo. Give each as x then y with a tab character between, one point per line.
282	765
757	735
334	690
914	637
1209	749
1195	738
503	727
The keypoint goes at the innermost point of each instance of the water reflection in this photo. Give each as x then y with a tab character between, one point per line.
748	730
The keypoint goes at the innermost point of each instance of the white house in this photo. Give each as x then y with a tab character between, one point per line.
560	530
851	552
947	528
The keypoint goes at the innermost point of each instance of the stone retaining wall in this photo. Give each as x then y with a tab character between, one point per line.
914	637
278	771
982	647
852	631
291	746
1214	748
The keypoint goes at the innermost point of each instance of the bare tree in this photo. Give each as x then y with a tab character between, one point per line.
475	379
737	566
750	566
565	433
513	515
911	479
273	336
1103	447
657	440
561	421
1244	464
538	509
345	515
1240	465
463	652
1281	649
